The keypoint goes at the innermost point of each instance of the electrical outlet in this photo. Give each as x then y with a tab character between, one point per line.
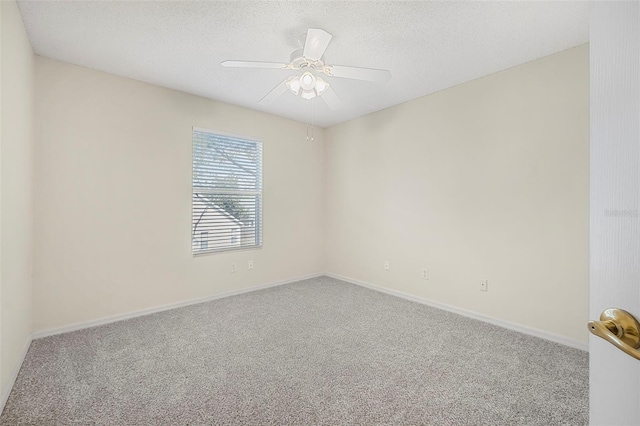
425	274
484	285
250	264
386	265
233	268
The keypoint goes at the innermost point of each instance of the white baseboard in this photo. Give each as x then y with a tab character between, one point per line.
464	312
471	314
6	391
142	312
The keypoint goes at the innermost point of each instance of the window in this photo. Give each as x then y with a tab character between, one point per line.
227	192
204	240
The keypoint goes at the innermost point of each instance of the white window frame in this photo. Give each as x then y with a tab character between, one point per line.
258	219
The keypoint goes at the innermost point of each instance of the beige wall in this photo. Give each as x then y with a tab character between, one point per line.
2	383
113	197
486	180
16	210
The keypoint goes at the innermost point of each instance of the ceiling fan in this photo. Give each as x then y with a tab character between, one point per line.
310	65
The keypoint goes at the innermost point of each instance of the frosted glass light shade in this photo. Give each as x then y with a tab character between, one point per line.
308	94
294	85
307	81
321	86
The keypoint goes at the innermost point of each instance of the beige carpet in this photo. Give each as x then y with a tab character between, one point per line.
319	351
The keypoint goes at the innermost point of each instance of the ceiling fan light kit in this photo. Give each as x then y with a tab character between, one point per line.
307	86
310	61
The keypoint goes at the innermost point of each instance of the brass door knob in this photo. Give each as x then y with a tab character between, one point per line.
619	328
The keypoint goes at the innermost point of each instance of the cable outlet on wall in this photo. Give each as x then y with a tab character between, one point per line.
484	285
386	265
233	267
425	274
250	264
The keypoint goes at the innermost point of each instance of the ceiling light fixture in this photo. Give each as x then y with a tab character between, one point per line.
307	85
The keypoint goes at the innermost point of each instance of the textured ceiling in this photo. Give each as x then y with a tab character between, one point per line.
427	46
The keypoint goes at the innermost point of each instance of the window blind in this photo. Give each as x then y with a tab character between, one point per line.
227	192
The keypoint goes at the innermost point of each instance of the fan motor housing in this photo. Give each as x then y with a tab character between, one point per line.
300	62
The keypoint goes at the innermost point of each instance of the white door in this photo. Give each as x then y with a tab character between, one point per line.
614	383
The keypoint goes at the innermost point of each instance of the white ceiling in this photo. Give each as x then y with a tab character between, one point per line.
427	46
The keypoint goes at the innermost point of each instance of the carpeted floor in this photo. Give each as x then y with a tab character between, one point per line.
319	351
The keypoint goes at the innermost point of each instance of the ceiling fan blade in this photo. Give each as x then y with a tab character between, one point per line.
331	99
275	93
316	43
252	64
356	73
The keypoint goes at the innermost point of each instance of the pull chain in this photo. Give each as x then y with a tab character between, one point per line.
308	121
310	118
